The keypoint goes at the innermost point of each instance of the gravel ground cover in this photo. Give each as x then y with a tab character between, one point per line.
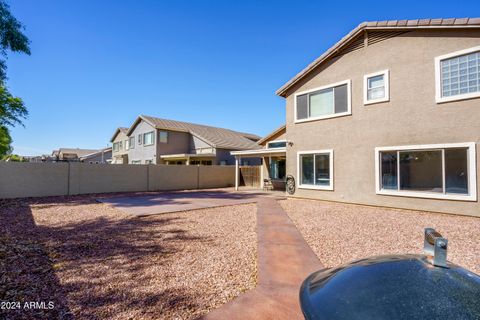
96	262
339	233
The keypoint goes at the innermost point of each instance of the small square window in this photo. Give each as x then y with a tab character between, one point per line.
376	87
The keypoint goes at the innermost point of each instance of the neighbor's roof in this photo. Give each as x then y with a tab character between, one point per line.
274	133
117	131
94	154
394	25
77	151
216	137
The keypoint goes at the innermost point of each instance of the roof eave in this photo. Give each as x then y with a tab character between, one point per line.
282	91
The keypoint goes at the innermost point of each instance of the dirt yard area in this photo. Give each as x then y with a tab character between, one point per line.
95	262
339	233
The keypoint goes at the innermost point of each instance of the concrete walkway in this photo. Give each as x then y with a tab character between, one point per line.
284	261
165	202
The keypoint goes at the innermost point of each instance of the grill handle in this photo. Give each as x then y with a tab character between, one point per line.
435	246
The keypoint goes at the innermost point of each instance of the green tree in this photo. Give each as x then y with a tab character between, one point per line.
12	109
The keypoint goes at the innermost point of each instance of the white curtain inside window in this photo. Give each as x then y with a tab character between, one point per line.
321	103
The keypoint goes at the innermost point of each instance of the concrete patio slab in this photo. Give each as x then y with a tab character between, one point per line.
145	205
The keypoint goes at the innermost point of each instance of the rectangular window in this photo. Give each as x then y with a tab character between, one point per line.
323	103
315	169
148	138
376	87
136	162
148	161
163	136
430	171
276	144
140	139
127	145
131	142
457	75
115	146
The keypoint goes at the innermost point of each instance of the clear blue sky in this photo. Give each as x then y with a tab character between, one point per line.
96	65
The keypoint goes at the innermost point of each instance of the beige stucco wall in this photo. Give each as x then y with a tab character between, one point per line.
101	178
178	177
411	117
116	155
216	176
20	180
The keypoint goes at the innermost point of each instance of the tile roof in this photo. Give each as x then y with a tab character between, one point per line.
381	25
217	137
77	151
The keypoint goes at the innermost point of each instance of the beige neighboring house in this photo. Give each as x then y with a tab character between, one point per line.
390	116
272	153
120	145
102	156
162	141
70	154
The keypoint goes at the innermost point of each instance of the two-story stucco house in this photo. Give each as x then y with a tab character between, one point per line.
390	116
120	145
161	141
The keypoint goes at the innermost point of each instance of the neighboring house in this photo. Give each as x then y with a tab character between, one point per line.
71	154
120	145
161	141
100	157
390	116
273	155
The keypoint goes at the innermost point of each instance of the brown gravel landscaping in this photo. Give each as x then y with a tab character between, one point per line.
339	233
96	262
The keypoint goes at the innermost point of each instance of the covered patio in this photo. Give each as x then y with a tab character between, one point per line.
272	168
206	159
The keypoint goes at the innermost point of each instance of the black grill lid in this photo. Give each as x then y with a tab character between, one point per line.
393	287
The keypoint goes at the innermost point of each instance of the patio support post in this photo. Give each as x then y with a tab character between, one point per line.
262	162
236	174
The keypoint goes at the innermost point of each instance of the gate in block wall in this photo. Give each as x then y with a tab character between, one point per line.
250	176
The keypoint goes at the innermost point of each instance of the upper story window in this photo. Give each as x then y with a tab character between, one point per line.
163	137
117	146
127	144
276	144
457	75
376	87
323	102
140	139
148	138
131	142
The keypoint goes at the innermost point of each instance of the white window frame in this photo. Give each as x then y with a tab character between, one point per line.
136	162
315	187
127	144
153	138
472	172
386	80
329	116
131	145
274	141
438	77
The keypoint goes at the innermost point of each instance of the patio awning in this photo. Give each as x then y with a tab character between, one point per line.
272	152
187	156
259	153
